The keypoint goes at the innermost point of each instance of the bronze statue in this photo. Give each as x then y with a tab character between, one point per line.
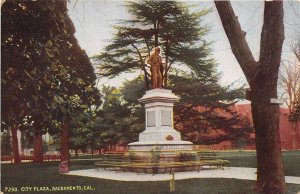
156	64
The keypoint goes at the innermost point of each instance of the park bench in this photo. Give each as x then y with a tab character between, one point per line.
212	159
163	167
207	155
186	162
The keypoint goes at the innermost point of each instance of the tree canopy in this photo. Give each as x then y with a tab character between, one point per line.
46	76
44	69
180	33
155	23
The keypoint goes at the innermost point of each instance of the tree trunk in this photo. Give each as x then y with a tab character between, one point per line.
64	143
270	174
38	147
156	31
76	152
146	80
15	144
165	71
92	149
262	77
293	130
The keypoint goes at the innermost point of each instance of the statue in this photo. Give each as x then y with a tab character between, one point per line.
156	64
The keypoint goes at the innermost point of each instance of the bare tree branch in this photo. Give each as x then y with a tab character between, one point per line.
236	37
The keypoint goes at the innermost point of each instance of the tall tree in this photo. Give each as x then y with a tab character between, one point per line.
156	23
79	132
46	71
289	80
120	123
262	77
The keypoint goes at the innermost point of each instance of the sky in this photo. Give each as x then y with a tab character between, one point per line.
93	20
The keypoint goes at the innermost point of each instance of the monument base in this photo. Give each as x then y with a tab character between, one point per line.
161	146
160	143
157	158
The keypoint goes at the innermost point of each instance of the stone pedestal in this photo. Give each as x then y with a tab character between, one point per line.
159	133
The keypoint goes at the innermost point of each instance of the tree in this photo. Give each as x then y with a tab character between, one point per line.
205	113
295	113
120	124
47	76
86	129
155	23
289	80
79	132
262	77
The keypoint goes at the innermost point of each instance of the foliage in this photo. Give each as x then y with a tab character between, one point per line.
5	144
86	130
156	23
120	124
206	112
46	76
44	70
132	90
79	131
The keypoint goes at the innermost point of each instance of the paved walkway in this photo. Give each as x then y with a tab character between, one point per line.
228	172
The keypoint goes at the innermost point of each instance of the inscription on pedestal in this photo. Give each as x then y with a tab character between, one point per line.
150	118
161	147
166	119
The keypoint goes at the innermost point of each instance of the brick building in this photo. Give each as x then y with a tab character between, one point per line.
289	132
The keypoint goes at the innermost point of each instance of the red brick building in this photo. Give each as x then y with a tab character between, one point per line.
289	132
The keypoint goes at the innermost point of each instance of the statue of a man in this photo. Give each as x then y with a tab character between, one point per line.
156	63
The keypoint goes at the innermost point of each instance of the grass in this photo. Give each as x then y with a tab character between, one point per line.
291	160
32	175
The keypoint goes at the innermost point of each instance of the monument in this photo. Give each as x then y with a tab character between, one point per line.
159	134
160	148
156	65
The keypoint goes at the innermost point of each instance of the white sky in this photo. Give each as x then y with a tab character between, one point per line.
94	19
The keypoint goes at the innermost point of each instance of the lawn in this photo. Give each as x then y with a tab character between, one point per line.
291	160
46	175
